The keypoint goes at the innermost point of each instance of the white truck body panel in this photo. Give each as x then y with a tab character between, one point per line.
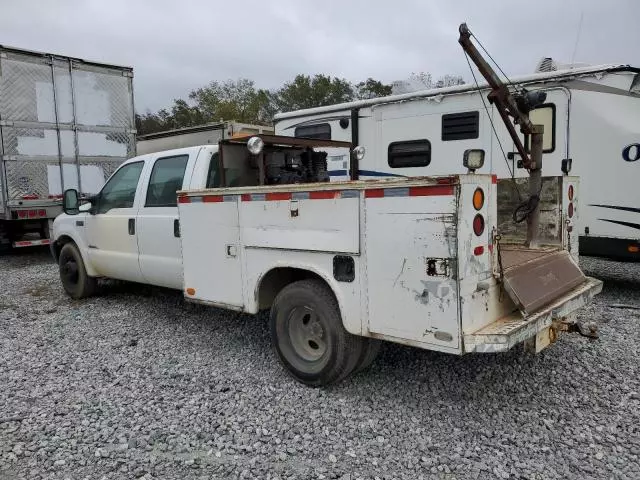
595	122
422	277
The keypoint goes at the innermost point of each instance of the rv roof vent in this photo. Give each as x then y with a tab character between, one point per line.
546	65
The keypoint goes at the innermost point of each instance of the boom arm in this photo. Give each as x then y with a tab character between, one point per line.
500	96
517	107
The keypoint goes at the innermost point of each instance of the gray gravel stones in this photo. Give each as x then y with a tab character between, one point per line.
137	384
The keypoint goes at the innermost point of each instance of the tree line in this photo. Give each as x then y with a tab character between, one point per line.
240	100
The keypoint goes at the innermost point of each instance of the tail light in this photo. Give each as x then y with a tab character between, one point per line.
478	225
570	210
478	198
570	193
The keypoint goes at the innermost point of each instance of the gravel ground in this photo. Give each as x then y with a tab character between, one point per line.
137	384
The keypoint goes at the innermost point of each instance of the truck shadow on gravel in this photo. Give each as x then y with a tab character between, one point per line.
450	377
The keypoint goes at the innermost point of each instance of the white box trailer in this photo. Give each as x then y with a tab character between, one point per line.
208	134
592	130
64	123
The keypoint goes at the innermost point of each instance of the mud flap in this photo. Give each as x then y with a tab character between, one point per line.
541	280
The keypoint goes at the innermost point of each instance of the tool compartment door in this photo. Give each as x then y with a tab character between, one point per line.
209	234
410	250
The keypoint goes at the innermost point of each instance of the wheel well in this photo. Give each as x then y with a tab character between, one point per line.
59	243
278	278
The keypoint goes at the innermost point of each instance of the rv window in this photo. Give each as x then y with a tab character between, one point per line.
413	153
320	131
166	180
460	126
544	115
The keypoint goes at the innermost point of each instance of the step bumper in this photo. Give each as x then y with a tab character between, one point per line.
505	333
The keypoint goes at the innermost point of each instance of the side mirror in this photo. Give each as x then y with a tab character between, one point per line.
71	202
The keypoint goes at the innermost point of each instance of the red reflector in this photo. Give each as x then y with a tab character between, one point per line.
245	197
22	213
212	198
478	250
478	225
184	199
570	193
431	191
494	179
633	249
321	195
30	197
278	196
42	213
445	181
570	210
374	193
33	213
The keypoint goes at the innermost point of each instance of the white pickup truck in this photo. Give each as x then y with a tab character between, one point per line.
252	224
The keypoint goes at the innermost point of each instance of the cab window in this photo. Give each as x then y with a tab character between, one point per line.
213	176
166	179
120	189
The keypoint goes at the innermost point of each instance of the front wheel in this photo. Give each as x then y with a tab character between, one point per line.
73	273
308	336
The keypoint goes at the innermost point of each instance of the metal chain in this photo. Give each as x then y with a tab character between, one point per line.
497	239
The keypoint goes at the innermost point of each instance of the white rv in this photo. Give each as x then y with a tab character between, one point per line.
591	118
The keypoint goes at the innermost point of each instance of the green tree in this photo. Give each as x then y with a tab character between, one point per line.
230	100
371	88
309	92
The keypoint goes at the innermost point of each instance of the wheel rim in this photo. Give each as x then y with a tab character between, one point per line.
307	334
69	270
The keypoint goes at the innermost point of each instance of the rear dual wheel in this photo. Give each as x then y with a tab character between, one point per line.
309	338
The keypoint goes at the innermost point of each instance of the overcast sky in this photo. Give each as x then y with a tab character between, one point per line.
176	46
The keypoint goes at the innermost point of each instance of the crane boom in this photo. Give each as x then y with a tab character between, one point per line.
517	107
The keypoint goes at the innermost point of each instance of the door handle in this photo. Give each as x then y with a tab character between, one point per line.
132	226
176	228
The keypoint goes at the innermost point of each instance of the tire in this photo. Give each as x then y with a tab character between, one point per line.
73	273
5	237
308	336
371	348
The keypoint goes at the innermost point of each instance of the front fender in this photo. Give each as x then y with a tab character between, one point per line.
65	229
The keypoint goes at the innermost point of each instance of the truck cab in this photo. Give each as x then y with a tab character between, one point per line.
130	230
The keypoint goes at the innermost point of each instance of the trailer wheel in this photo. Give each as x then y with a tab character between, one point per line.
371	348
73	274
308	336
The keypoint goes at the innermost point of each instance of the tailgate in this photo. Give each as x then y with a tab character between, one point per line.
534	278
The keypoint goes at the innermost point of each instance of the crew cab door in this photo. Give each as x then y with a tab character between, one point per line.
111	226
158	225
